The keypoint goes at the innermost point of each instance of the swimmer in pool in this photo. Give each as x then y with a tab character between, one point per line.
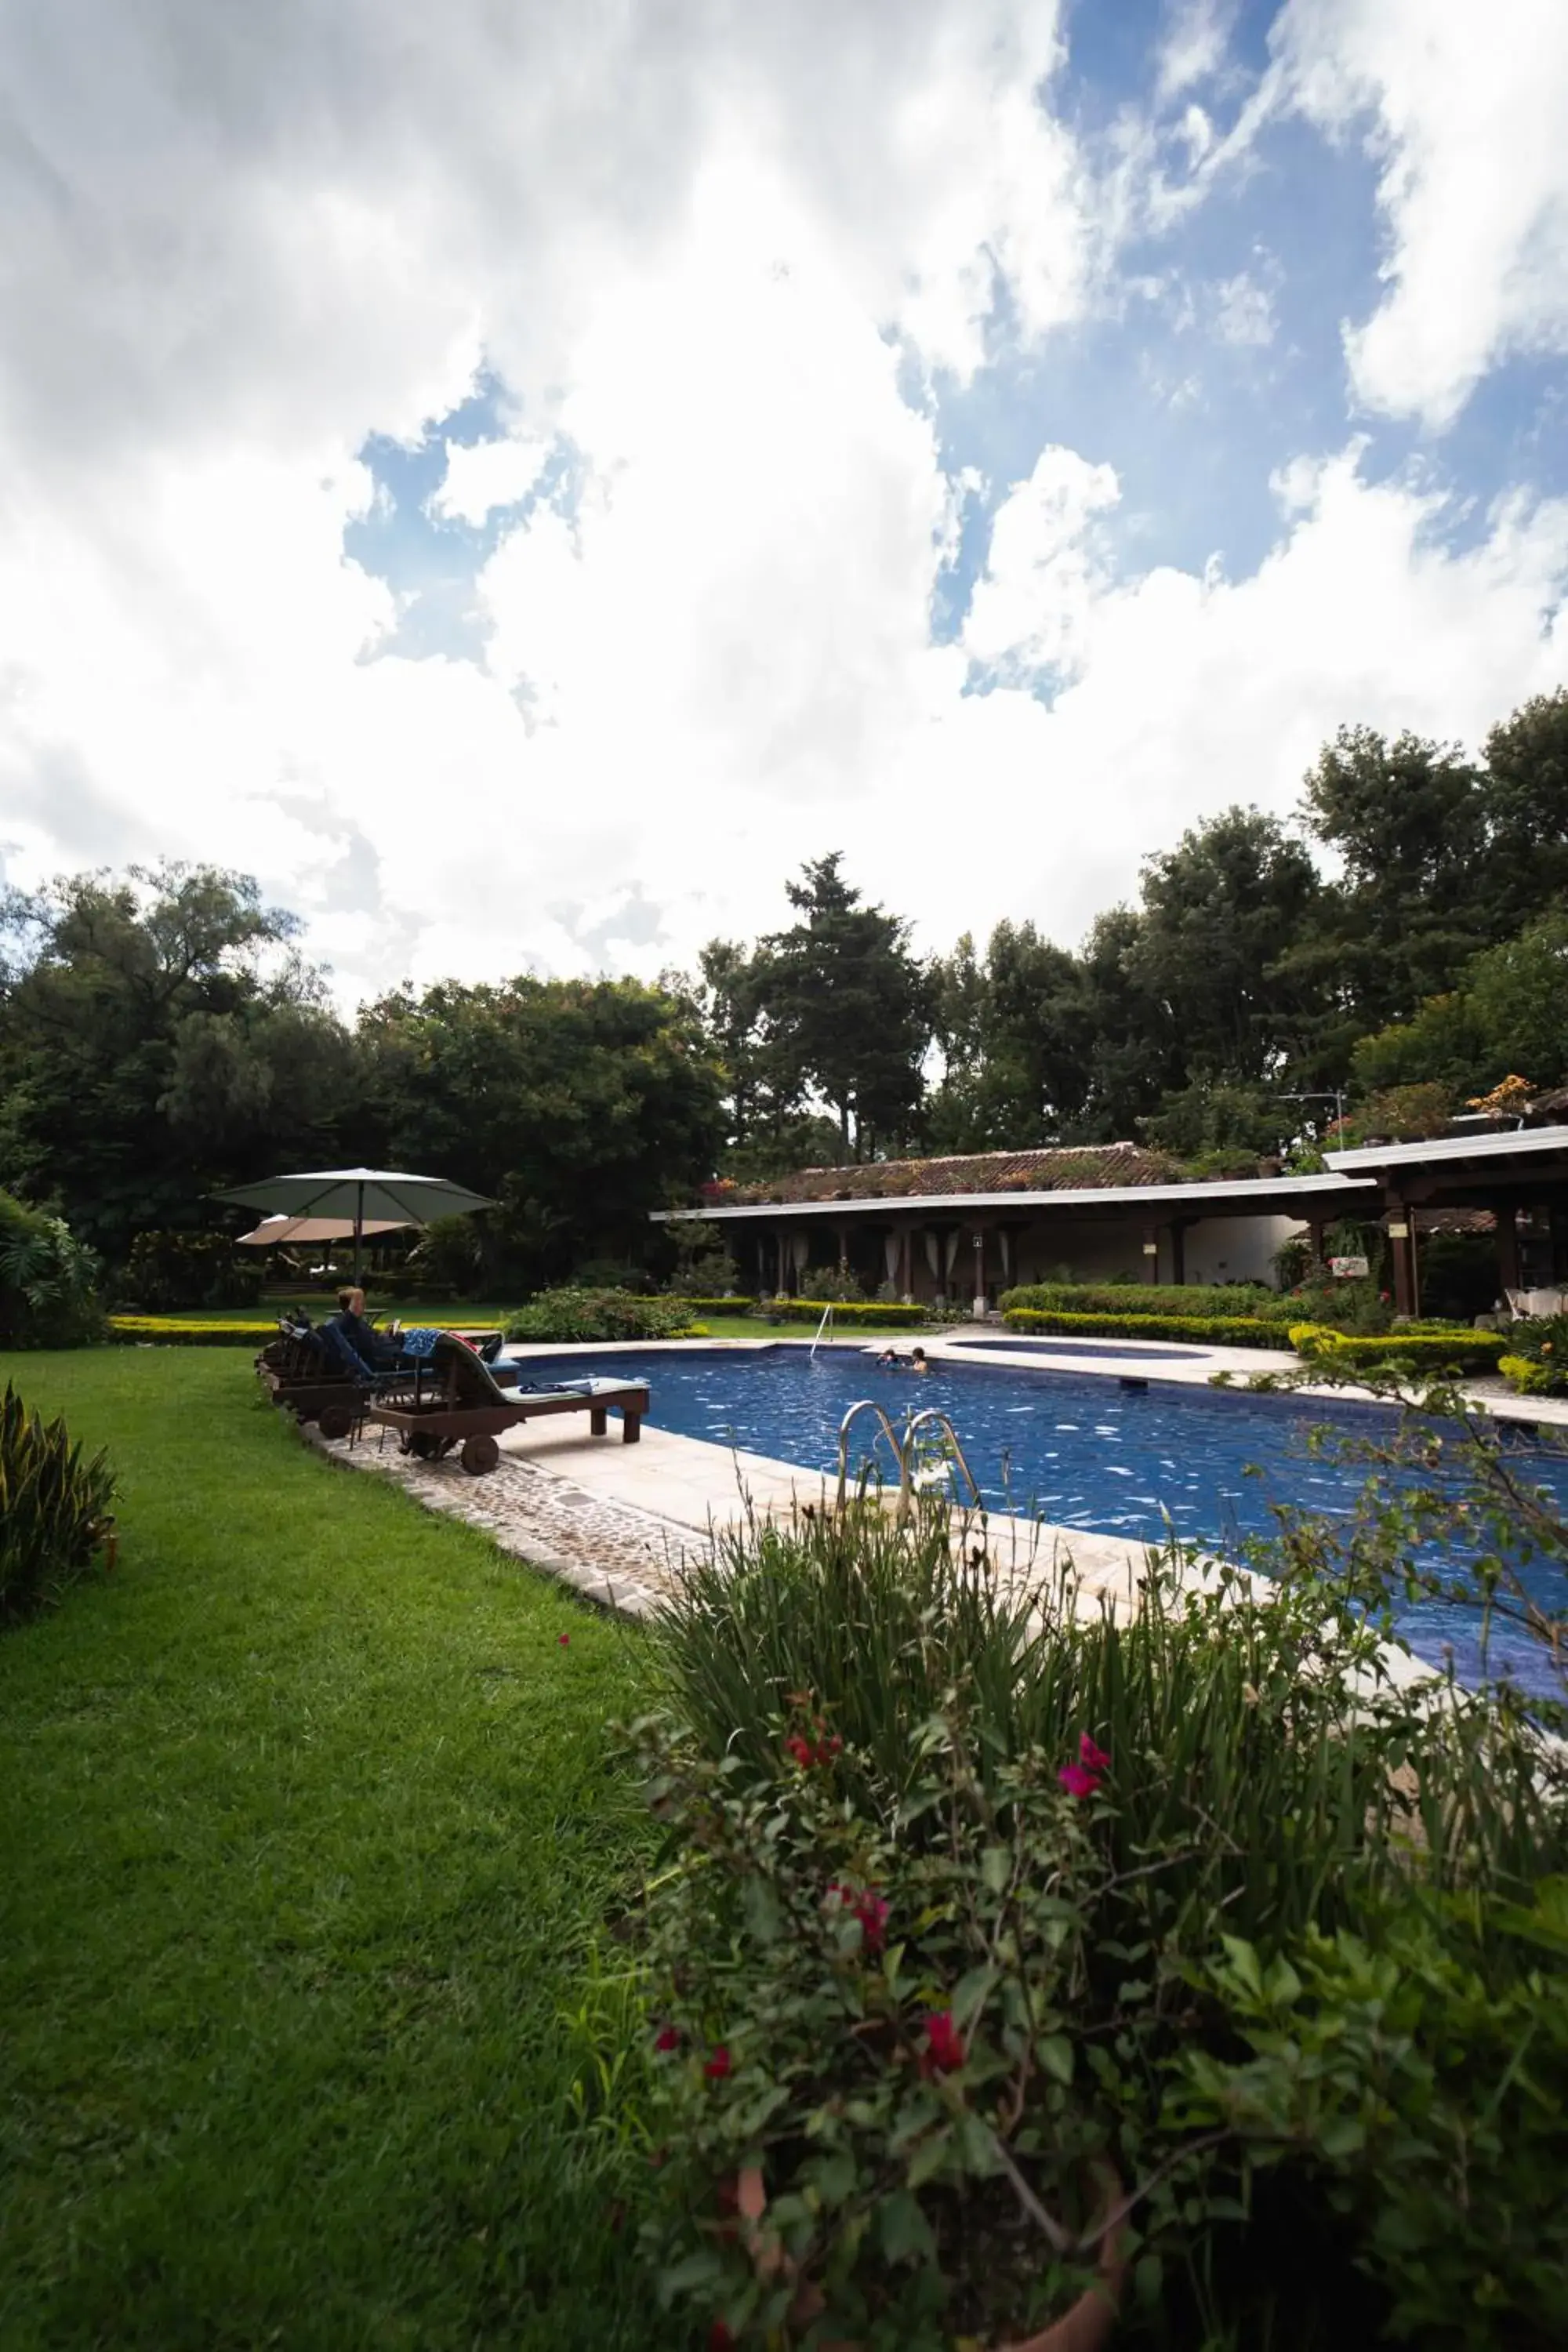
918	1361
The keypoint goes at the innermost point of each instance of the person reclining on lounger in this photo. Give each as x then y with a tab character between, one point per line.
374	1350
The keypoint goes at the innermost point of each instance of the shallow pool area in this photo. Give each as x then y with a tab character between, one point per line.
1077	1448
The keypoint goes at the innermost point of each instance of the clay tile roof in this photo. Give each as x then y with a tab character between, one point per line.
1057	1167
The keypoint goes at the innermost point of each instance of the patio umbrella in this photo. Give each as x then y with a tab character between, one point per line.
358	1193
314	1229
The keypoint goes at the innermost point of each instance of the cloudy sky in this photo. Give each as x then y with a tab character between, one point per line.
518	477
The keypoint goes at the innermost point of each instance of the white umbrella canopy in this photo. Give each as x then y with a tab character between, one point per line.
357	1193
314	1229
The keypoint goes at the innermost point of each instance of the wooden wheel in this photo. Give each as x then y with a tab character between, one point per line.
479	1455
336	1420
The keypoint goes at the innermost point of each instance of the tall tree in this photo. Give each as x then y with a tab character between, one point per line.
1219	913
847	1007
581	1104
1015	1039
1525	795
1409	822
158	1038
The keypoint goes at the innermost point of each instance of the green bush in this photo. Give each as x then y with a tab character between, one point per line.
732	1303
1420	1348
1536	1363
1198	1330
53	1508
970	1908
170	1270
1145	1299
49	1281
567	1315
872	1313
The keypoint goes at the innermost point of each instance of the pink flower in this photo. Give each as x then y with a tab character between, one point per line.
1094	1757
667	2038
718	2066
800	1749
944	2043
1076	1781
564	1641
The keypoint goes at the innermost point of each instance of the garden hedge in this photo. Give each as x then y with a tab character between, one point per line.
1428	1352
175	1332
876	1313
1200	1330
1122	1299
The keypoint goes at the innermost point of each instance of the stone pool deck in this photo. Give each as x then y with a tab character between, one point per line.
617	1521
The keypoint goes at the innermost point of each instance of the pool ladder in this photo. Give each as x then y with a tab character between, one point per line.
903	1450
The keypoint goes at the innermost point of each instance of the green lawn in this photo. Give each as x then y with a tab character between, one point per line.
309	1823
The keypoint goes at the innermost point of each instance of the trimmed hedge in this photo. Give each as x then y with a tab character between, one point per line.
1201	1330
1422	1351
173	1331
875	1313
1124	1299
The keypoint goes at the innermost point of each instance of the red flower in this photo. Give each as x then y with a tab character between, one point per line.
718	2066
667	2038
868	1907
563	1640
1095	1757
719	2338
871	1909
944	2043
1076	1781
805	1752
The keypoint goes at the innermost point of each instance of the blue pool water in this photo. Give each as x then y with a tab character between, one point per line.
1075	1447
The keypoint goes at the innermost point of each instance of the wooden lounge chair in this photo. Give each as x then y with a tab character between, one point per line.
455	1400
301	1371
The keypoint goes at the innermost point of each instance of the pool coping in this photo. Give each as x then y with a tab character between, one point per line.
633	1514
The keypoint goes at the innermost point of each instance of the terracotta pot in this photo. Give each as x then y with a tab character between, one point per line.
1085	2328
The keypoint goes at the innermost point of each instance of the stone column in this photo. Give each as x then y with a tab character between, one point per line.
784	1277
905	1260
1151	1254
979	1251
1178	1249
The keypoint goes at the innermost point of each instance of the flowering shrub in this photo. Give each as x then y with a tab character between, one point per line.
1536	1362
983	1935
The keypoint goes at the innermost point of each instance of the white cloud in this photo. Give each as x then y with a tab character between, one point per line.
1244	312
1194	46
484	474
702	259
1466	107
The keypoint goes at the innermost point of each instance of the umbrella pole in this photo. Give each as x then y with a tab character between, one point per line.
359	1232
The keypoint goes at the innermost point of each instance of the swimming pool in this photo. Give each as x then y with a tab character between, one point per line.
1074	1446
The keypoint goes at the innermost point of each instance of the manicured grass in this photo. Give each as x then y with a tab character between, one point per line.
309	1823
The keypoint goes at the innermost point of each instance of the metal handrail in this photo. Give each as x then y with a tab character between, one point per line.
826	1319
903	1450
934	1412
869	1404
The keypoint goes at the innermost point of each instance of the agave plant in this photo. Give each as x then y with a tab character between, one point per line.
54	1506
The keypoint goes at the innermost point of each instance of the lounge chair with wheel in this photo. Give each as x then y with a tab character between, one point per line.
453	1399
